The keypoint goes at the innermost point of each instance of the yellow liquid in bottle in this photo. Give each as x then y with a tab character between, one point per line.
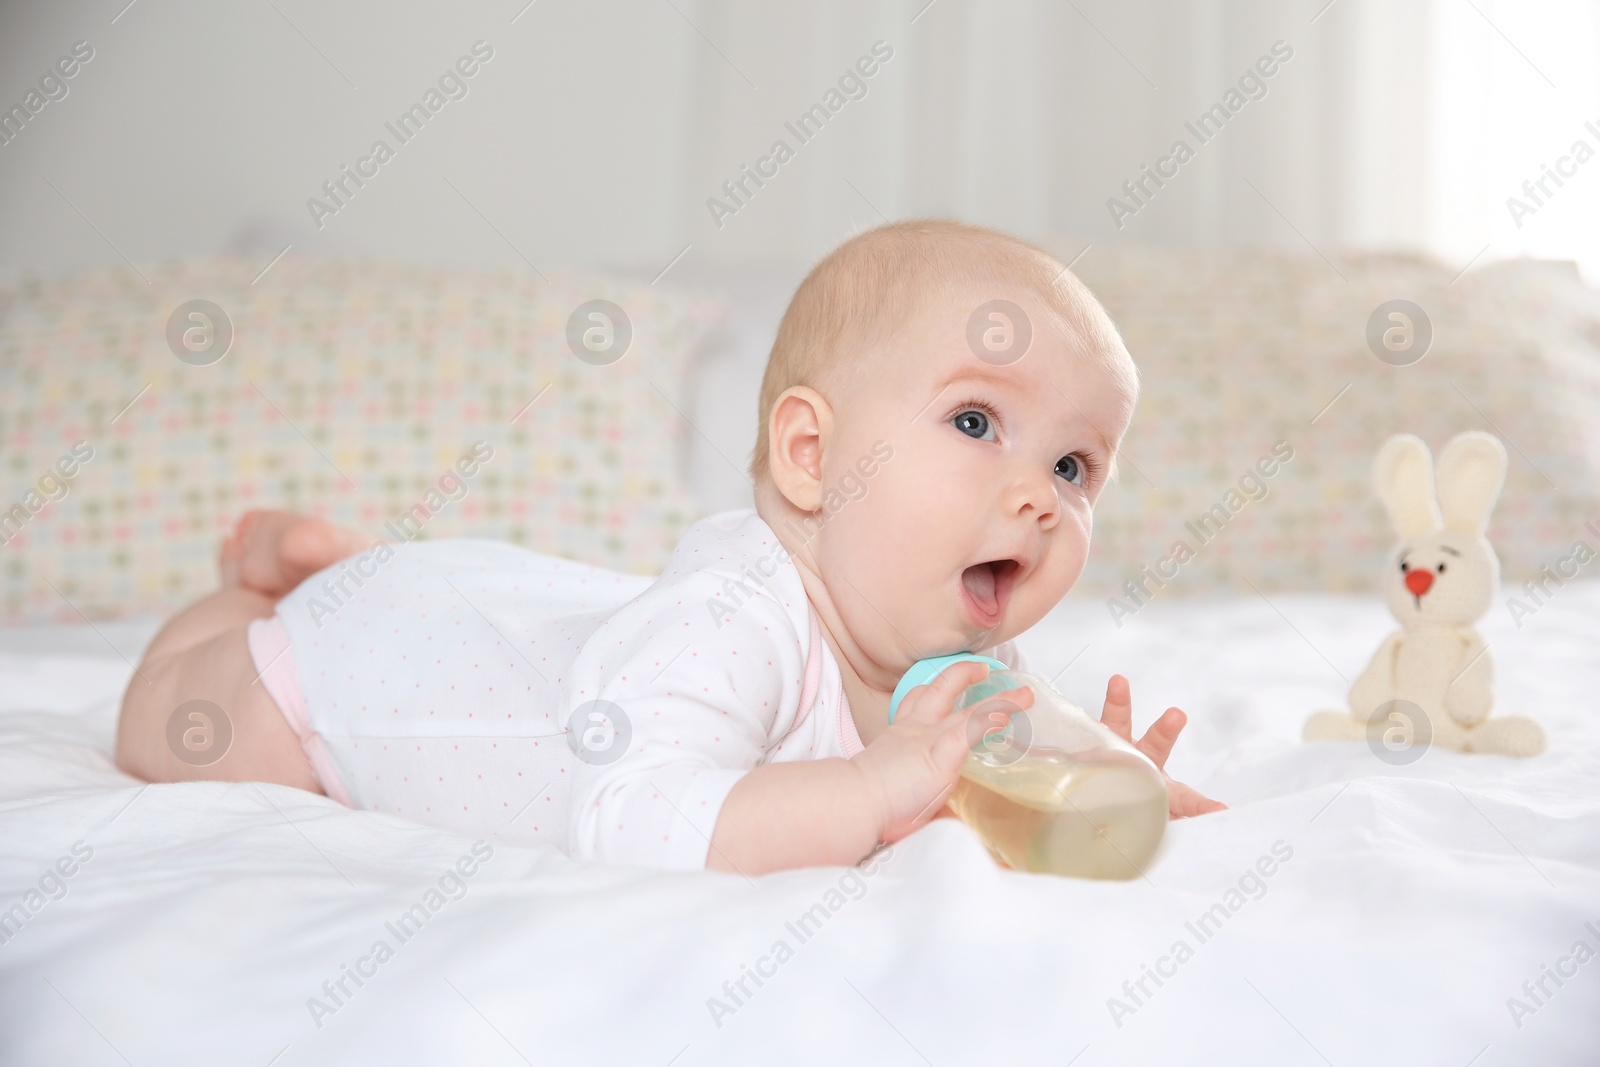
1053	814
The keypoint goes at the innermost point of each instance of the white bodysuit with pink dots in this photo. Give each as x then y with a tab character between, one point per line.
487	689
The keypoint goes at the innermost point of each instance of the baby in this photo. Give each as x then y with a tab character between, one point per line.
941	409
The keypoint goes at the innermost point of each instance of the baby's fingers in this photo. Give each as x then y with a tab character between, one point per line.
1157	741
932	702
1184	802
989	721
952	741
1118	713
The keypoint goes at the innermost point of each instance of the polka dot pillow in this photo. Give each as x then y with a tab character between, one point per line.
1270	378
139	418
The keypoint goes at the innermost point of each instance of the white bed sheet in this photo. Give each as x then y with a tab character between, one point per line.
1416	902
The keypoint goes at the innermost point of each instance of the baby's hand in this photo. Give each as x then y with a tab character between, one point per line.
1157	743
913	765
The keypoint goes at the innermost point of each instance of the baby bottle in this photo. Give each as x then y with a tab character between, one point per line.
1048	789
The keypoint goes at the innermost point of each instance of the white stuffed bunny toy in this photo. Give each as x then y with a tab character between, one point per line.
1442	578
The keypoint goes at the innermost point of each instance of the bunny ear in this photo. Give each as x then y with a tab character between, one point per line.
1472	468
1403	478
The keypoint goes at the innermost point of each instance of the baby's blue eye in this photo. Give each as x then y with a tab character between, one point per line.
974	423
1069	468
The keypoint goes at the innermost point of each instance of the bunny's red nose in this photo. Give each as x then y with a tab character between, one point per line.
1418	581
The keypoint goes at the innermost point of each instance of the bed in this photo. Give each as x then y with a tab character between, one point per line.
1405	907
1346	909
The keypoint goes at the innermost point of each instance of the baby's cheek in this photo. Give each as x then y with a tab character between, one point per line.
888	530
1076	531
861	558
1062	572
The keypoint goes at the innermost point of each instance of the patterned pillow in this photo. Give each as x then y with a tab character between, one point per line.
405	401
1241	350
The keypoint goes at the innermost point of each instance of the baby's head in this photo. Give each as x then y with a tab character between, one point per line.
934	476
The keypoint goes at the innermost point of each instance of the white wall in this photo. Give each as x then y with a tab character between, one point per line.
598	130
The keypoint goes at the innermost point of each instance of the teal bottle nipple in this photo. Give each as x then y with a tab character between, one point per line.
926	670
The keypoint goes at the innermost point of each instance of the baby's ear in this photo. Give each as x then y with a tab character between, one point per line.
796	431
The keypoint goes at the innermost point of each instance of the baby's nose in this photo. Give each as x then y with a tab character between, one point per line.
1418	581
1034	501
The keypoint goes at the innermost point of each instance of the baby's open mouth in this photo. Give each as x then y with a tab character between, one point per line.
988	587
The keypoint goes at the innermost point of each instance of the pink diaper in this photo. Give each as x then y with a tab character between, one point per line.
268	641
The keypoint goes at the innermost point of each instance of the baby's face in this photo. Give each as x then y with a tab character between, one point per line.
980	521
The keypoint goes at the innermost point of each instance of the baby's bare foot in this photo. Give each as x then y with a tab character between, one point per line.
271	552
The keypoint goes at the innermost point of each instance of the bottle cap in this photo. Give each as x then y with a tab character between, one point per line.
926	670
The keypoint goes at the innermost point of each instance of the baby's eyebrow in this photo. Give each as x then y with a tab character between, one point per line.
987	376
1105	445
1113	466
1100	435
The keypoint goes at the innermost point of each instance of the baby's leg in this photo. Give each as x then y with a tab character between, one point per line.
271	552
202	654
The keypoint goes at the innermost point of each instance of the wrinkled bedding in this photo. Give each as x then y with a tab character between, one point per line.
1344	910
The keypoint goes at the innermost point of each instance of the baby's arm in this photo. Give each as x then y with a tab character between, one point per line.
833	812
812	813
702	698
